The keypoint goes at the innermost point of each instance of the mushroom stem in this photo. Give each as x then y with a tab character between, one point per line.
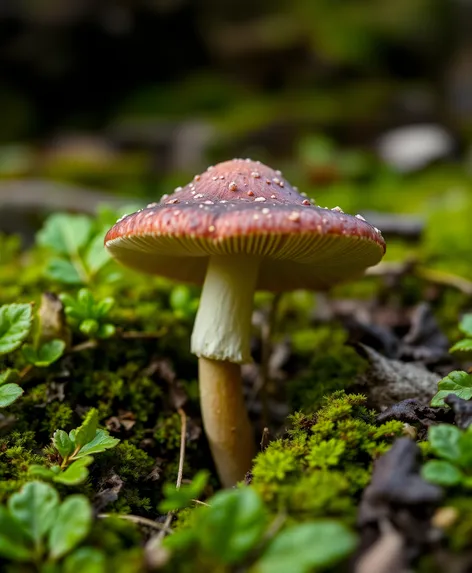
225	419
221	339
222	327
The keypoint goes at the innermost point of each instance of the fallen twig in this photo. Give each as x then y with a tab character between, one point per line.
154	543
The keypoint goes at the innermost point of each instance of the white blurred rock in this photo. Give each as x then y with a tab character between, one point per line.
412	147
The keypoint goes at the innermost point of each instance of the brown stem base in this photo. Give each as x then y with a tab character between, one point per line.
225	419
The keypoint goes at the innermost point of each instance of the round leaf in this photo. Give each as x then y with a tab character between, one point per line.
71	526
301	548
35	507
9	393
15	324
441	473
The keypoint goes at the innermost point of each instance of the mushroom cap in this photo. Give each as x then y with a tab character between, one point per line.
244	208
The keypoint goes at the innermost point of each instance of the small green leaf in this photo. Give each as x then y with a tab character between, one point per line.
46	354
86	432
9	393
233	525
8	375
464	345
445	441
106	331
15	324
65	234
63	271
441	473
102	441
14	551
182	497
96	256
465	324
458	383
85	560
62	443
42	472
10	528
301	548
89	327
35	508
71	526
76	473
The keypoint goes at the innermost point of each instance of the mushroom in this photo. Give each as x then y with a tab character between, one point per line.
238	227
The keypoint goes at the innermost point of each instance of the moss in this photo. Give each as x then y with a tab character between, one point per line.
58	415
332	365
324	463
17	453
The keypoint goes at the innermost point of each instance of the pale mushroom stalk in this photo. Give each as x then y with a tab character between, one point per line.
221	340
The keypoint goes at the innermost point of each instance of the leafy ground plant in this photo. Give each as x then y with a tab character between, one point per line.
453	448
74	451
234	528
37	528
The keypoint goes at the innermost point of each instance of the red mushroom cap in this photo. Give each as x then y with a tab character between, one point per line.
242	207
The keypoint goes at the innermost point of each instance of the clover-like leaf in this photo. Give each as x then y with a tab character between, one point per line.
35	508
72	525
76	473
441	473
308	546
465	325
445	441
65	234
85	560
15	324
63	271
101	442
9	393
233	525
9	375
464	345
62	443
86	432
46	354
458	383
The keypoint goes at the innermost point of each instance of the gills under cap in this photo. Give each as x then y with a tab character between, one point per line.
242	207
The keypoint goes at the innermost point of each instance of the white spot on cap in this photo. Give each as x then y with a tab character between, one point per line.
233	186
256	174
337	209
260	199
177	189
211	228
152	205
197	178
208	202
278	172
306	202
198	196
273	196
360	217
265	211
172	202
294	216
214	178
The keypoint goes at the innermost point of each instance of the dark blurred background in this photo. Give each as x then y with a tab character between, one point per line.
130	97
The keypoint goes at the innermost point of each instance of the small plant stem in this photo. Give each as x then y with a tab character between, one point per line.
225	418
183	435
84	345
152	546
266	340
137	519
